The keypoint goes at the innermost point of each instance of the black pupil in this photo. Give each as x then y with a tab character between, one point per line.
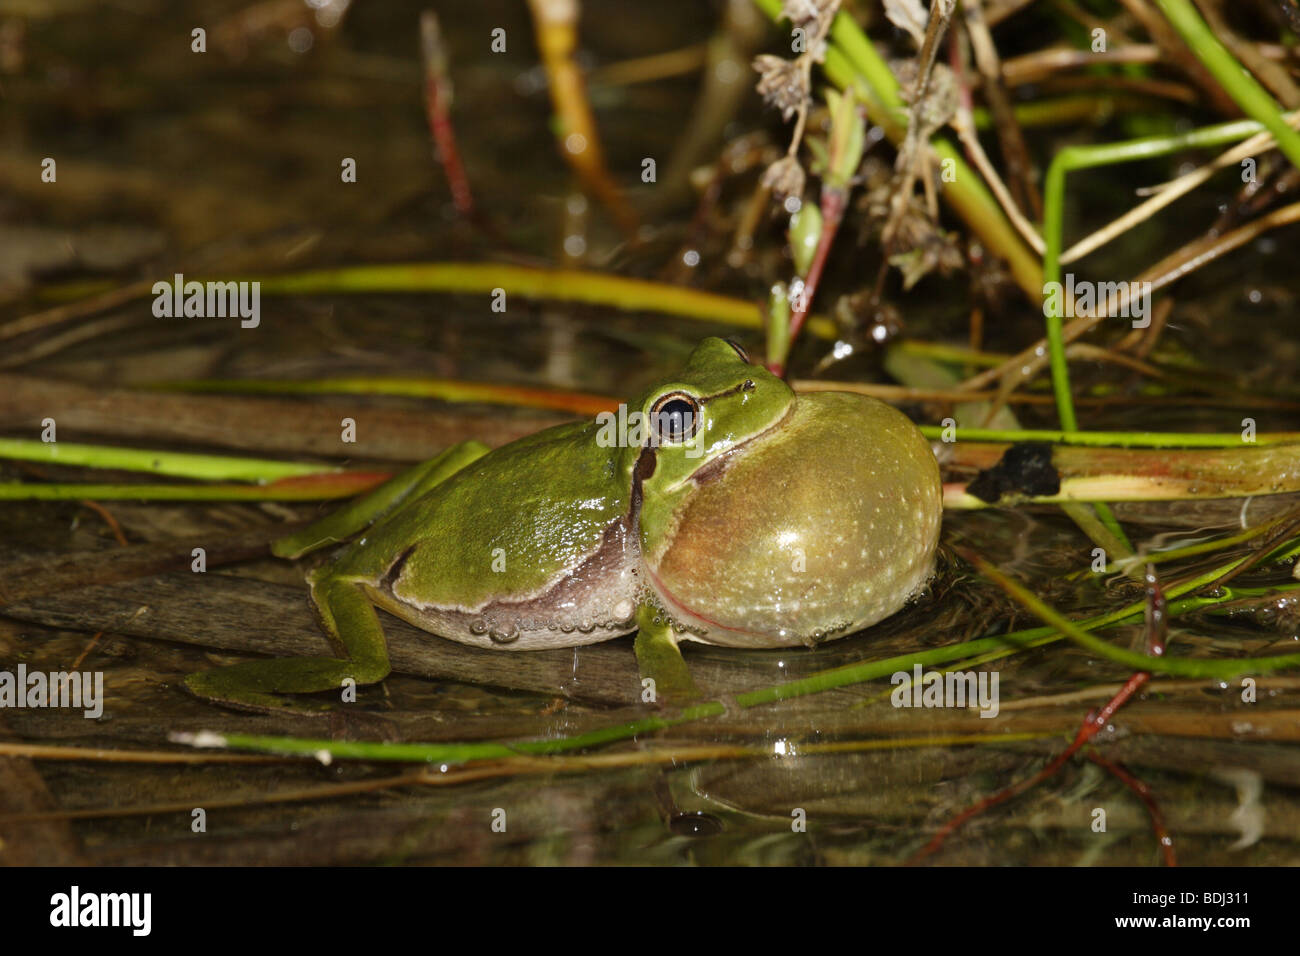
675	419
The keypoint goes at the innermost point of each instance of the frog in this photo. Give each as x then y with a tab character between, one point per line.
718	507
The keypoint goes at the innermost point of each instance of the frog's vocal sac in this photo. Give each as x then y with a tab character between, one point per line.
748	517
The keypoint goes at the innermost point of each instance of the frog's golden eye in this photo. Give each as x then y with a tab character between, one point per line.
675	418
744	356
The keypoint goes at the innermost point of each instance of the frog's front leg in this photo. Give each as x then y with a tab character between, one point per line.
353	627
659	658
343	607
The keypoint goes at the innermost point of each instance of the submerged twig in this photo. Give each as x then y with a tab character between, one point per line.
1093	723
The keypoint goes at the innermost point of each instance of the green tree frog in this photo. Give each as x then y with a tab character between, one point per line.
719	507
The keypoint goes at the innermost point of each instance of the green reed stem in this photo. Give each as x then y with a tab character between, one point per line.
1073	158
566	285
1166	664
1236	80
276	491
175	464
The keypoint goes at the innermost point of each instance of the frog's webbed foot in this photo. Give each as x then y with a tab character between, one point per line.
660	660
351	622
344	610
239	687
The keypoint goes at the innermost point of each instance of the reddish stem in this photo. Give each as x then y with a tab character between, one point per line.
1002	796
1143	793
1092	724
832	209
437	105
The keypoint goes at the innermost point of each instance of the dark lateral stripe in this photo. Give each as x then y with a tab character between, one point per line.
395	571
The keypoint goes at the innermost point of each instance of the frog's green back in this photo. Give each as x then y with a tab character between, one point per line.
507	523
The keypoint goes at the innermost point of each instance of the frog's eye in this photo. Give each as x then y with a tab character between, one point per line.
675	418
744	356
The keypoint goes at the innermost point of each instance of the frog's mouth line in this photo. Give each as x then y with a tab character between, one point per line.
709	471
713	469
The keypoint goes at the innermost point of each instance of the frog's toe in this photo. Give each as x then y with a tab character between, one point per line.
218	688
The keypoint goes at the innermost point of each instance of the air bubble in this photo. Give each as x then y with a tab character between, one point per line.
506	637
697	823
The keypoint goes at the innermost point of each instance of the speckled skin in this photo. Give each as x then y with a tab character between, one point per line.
743	515
830	529
791	520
